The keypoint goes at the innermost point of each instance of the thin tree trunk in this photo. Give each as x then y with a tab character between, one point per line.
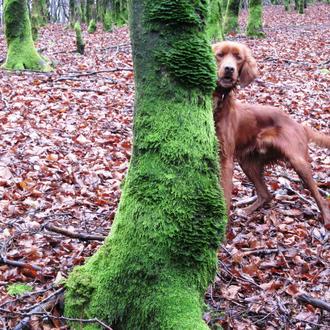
254	26
214	29
231	17
155	266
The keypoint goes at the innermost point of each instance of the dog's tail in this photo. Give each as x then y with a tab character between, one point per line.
320	139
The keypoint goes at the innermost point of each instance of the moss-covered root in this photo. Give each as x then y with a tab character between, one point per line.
80	43
231	17
21	53
254	26
107	22
91	26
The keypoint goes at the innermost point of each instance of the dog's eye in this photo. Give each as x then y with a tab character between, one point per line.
220	55
238	57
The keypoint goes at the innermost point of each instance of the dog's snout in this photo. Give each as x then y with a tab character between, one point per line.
229	69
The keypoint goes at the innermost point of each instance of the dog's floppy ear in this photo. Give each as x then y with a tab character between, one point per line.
249	70
215	46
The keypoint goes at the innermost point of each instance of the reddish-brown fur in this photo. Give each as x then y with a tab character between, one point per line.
257	135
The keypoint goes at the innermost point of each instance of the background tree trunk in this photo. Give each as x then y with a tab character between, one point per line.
89	10
254	26
156	264
118	12
39	16
231	17
21	52
214	29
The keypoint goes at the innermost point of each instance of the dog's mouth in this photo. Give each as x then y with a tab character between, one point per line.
226	82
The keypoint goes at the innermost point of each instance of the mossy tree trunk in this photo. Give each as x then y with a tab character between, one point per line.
83	4
300	6
80	43
72	9
119	12
21	53
231	16
254	25
214	26
89	10
39	16
287	5
156	264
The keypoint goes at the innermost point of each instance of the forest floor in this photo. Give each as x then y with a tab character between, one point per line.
65	141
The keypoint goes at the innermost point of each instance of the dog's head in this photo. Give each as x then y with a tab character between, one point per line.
235	64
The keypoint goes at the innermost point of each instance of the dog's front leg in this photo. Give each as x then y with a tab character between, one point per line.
227	166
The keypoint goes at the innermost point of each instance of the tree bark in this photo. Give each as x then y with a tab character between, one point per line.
231	17
254	26
156	264
21	52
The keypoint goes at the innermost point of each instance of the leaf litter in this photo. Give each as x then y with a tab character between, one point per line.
64	150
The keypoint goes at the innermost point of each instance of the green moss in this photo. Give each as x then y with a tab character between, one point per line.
80	43
107	22
231	17
21	52
190	62
178	12
91	26
156	264
254	26
18	289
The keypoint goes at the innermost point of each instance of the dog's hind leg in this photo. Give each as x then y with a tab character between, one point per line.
254	171
303	168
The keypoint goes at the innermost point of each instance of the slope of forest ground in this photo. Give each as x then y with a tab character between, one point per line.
65	140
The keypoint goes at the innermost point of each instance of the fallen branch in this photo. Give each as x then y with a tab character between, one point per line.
246	201
5	261
306	299
262	251
92	73
71	234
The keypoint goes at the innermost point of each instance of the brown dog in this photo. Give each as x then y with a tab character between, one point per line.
257	135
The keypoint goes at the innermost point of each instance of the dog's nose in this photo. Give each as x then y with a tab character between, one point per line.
229	70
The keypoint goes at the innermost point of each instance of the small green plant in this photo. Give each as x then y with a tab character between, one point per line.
18	289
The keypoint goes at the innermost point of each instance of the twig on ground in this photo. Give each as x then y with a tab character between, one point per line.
244	279
24	296
91	73
262	251
71	234
5	261
116	46
246	201
306	299
39	308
